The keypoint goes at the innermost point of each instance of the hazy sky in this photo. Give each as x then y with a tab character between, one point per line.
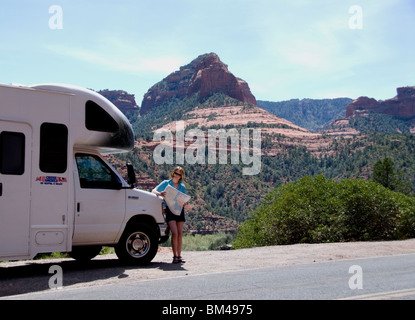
283	49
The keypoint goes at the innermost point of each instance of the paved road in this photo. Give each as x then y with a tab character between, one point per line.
386	277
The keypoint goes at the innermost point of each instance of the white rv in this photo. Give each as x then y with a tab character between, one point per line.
57	192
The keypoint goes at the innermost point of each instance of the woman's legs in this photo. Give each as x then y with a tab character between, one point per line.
174	237
179	238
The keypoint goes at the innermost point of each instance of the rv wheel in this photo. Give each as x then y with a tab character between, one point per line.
138	245
85	253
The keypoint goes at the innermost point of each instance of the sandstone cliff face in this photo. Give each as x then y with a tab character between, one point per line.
121	99
402	106
207	74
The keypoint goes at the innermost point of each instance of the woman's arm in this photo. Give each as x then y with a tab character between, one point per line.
161	186
156	192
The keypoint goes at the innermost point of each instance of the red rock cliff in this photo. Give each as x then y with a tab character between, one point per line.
207	74
121	99
402	106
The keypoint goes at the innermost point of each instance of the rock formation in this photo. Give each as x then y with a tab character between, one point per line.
121	99
207	74
402	106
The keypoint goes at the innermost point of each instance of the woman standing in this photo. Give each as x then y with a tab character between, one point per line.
175	222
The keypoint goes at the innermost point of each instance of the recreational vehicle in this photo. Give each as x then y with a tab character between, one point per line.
57	191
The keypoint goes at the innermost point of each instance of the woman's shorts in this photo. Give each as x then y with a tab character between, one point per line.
172	217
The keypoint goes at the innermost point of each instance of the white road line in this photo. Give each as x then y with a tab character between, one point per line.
383	295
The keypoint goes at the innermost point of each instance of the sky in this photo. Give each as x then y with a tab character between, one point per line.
285	50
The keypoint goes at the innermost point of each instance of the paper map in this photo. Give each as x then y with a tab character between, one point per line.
175	200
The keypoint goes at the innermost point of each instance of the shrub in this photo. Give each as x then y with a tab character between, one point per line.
200	242
317	209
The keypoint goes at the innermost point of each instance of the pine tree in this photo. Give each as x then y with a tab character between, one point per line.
385	174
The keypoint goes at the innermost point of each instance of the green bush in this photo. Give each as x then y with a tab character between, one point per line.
200	242
314	210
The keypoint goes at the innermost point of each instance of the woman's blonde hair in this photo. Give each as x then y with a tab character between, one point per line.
179	170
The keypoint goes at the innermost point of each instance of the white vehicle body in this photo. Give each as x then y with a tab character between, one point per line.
57	192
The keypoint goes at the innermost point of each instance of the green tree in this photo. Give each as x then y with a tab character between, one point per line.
385	174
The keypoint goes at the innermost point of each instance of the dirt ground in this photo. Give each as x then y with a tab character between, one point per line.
216	261
31	276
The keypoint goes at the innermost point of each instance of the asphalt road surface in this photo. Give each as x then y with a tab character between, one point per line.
383	277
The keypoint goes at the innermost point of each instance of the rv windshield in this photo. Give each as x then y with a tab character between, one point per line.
95	174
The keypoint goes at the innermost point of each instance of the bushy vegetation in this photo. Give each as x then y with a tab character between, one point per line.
382	123
200	242
314	210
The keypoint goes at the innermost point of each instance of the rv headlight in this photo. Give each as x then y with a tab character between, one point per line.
163	209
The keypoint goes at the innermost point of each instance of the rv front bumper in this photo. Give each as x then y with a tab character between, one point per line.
163	236
163	229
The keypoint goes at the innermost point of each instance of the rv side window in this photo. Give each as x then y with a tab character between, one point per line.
97	119
53	148
12	153
95	174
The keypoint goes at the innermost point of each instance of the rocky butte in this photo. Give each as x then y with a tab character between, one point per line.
402	106
206	75
121	99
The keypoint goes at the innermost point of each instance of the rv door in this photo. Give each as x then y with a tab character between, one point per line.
100	201
15	173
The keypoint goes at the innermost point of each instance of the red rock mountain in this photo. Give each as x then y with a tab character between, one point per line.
121	99
207	74
402	106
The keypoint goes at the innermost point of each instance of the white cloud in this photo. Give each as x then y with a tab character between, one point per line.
304	53
118	61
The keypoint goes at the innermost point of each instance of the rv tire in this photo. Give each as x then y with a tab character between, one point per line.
85	253
138	245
